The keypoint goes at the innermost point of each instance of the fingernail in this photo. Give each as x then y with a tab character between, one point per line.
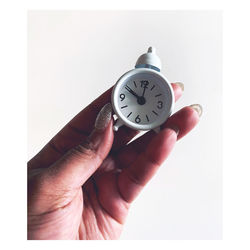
175	128
197	108
180	84
104	116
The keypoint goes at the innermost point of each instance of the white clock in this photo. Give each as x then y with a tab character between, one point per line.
143	98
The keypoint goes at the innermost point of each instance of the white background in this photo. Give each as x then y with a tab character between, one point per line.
74	56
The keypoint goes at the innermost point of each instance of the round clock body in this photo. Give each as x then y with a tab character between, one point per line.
142	99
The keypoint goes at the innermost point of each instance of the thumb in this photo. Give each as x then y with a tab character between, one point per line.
77	165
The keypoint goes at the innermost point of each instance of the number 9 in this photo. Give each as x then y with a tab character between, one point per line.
122	96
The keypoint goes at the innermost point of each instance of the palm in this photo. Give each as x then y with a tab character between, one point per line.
88	214
108	214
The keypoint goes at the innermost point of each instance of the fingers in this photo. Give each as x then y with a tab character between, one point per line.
184	121
125	134
145	155
79	163
80	127
132	179
178	89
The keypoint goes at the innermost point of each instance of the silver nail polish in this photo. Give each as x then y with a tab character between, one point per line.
104	116
175	128
180	84
197	108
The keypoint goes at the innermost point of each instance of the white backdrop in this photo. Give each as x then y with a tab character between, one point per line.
73	56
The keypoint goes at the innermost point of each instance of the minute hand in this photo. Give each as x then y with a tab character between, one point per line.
131	91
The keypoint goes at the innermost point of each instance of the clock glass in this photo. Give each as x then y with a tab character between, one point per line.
144	99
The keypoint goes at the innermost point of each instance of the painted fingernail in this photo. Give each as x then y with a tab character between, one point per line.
175	128
197	108
180	84
104	117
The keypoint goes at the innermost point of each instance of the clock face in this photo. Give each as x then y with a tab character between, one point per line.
143	99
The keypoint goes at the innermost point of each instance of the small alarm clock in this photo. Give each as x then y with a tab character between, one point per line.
143	98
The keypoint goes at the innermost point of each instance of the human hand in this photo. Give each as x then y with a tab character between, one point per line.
81	184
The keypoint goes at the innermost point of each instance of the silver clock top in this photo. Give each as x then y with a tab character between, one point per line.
149	60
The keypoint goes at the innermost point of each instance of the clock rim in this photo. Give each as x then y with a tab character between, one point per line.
117	111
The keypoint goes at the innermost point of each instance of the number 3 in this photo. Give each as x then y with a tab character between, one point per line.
160	104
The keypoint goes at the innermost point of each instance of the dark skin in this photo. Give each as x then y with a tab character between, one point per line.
82	190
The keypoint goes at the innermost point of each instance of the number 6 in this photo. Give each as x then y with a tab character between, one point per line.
137	119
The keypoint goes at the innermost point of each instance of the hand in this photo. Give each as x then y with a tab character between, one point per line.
81	184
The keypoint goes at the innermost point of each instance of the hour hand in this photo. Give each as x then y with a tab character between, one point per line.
144	84
131	91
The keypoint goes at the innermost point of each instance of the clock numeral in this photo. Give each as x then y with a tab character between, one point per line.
122	97
144	83
137	119
160	105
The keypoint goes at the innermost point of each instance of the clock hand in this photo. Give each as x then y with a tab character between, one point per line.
131	91
145	87
140	99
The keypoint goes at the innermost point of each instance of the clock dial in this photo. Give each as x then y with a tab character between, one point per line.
142	100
